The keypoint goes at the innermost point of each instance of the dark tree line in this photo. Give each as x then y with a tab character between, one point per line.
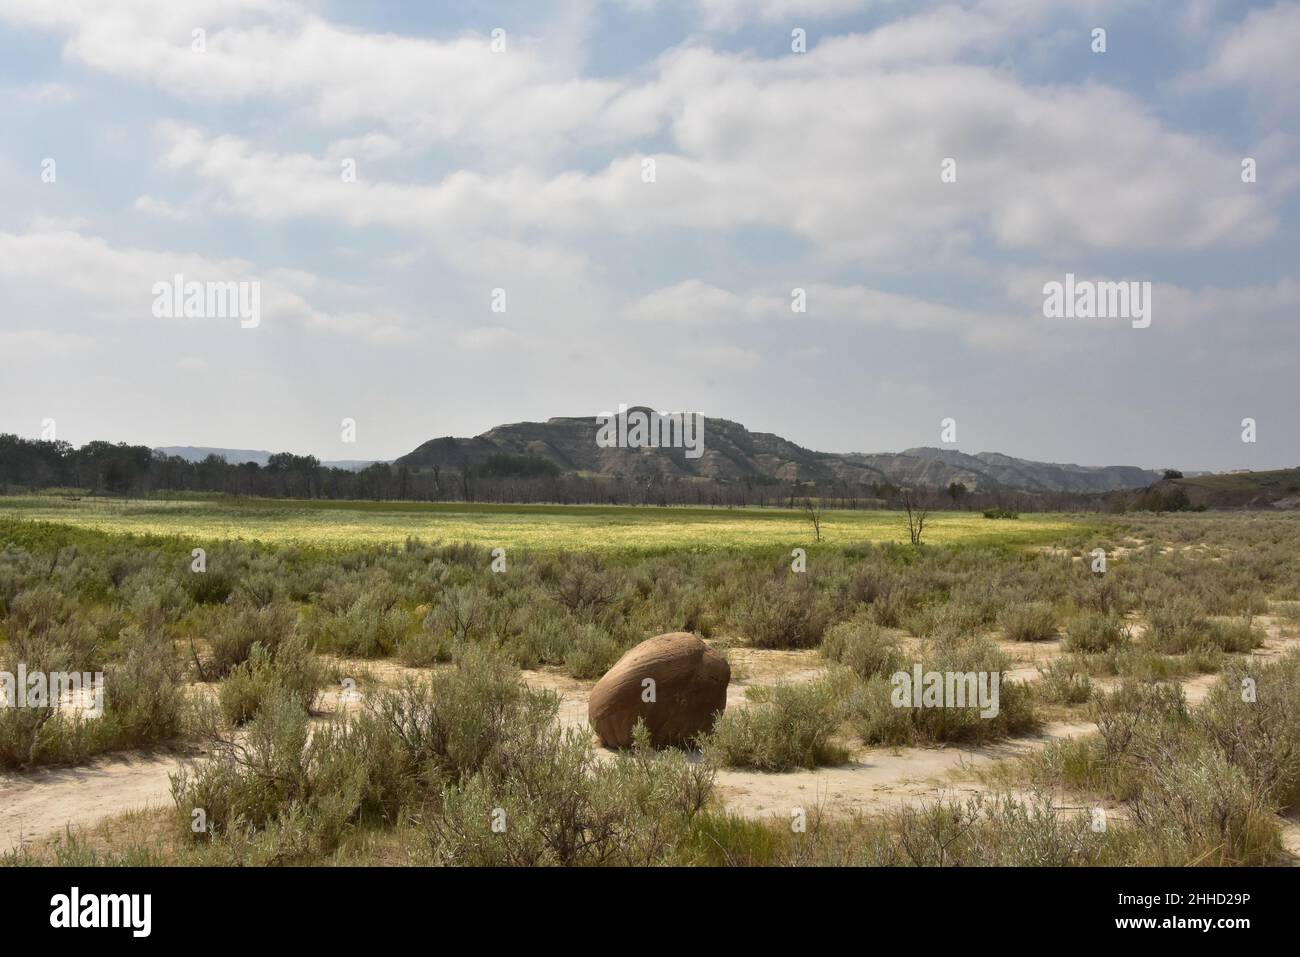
102	468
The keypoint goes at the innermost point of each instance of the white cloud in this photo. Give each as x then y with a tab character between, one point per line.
428	90
372	146
160	208
698	303
708	357
490	339
22	345
695	302
1017	327
841	146
733	13
852	165
42	94
61	272
1259	54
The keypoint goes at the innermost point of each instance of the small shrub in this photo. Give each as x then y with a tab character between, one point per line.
291	793
790	726
1251	714
890	608
371	627
882	713
1030	621
784	613
1092	633
863	646
144	700
293	672
1003	513
593	652
561	807
1063	683
1136	715
1179	627
423	648
1197	808
239	627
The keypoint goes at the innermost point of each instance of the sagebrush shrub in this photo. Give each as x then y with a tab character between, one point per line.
863	646
545	800
292	672
1029	621
236	628
592	652
1252	714
1063	682
1093	632
783	612
790	726
875	711
1180	626
373	626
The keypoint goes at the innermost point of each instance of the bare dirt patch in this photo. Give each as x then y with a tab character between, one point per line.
35	804
1025	657
877	779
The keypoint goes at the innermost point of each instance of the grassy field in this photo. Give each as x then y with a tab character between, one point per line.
587	528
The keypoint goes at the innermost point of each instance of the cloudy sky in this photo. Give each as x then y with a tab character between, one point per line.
524	169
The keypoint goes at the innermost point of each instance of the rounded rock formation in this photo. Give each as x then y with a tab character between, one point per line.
676	683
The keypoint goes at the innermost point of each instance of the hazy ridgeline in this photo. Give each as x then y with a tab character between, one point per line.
235	658
103	468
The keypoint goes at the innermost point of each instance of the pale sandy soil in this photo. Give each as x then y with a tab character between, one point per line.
1025	657
573	695
877	778
1281	635
1196	688
33	805
1291	841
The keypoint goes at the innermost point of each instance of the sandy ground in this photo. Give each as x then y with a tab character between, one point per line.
1291	841
34	805
877	778
1026	656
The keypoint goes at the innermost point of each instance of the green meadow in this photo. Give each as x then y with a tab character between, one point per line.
594	528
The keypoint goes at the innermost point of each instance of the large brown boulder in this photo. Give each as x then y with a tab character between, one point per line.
689	691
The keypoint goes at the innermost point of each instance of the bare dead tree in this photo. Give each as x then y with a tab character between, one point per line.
813	512
916	516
